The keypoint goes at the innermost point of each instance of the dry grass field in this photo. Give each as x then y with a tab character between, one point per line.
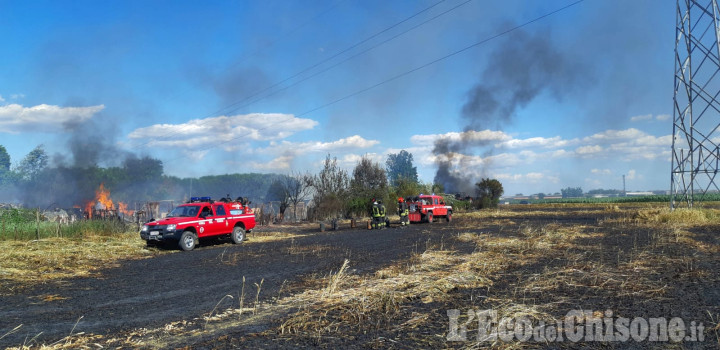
537	261
32	262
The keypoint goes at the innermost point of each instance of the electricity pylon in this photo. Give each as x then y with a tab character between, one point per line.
696	112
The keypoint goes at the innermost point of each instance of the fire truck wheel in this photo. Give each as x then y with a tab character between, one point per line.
187	241
448	218
430	217
238	235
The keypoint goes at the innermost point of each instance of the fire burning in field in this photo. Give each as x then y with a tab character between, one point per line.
103	205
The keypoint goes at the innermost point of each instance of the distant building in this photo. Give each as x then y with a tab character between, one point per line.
638	194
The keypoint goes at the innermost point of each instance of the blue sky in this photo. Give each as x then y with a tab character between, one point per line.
584	95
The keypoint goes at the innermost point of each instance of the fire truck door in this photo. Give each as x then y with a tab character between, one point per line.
439	207
207	224
221	221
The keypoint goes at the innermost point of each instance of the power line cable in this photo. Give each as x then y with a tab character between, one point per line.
408	72
277	39
440	59
220	111
337	54
351	57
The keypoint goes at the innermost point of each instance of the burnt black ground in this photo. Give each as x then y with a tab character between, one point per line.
173	287
182	286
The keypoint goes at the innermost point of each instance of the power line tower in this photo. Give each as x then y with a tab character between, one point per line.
696	112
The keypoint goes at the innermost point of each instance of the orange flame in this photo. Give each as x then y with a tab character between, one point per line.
103	196
122	207
89	209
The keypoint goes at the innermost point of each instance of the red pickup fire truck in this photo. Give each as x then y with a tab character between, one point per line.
428	207
199	218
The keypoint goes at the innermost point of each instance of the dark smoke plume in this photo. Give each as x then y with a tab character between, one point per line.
519	70
91	157
235	86
93	143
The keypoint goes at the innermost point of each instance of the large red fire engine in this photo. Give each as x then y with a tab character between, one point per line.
427	208
199	218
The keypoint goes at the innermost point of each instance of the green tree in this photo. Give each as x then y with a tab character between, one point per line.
4	160
368	182
400	166
406	188
290	190
298	187
33	163
331	187
489	192
279	193
143	169
572	192
368	176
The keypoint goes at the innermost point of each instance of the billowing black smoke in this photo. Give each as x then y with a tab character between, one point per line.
446	153
521	68
74	173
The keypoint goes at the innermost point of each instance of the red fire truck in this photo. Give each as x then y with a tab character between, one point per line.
427	208
201	217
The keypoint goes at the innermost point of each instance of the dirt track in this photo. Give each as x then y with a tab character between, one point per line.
172	287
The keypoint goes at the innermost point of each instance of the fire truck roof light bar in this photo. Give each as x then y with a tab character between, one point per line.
200	199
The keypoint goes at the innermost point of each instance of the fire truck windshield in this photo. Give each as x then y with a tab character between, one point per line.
184	211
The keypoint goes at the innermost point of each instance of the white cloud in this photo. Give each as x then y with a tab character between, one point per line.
298	148
2	99
601	171
544	142
195	155
286	153
641	118
629	144
471	137
588	150
534	176
631	174
647	117
350	160
15	118
237	128
560	153
280	163
422	155
611	135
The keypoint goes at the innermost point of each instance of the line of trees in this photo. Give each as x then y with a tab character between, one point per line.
337	194
334	191
33	182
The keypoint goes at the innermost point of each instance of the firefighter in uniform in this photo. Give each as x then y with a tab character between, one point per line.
403	212
375	215
383	219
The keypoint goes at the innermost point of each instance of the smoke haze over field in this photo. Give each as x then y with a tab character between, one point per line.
522	67
104	82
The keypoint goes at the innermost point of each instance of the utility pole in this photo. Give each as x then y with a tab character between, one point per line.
624	192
